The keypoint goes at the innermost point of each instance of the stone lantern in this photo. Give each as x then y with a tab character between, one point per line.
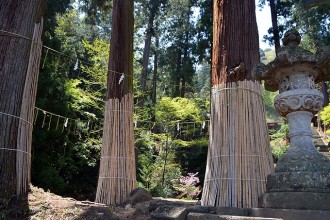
302	176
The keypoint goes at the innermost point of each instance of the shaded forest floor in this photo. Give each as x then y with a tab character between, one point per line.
45	205
42	205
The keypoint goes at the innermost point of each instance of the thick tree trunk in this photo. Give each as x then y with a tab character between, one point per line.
117	176
274	24
17	22
121	51
239	156
235	41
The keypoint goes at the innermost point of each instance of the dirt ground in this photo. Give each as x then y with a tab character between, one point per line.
43	205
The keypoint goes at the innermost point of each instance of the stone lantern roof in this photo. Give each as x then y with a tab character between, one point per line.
291	58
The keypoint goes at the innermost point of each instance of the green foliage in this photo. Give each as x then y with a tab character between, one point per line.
165	188
312	23
50	179
194	156
267	55
325	115
204	30
96	75
66	162
156	164
66	159
173	110
187	186
271	112
161	152
203	84
279	141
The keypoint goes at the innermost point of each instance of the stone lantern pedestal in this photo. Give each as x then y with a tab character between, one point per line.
302	176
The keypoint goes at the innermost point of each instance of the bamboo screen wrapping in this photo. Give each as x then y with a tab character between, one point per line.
239	155
117	176
25	127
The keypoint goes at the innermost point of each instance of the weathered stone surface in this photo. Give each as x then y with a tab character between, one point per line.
295	200
232	211
304	181
290	214
302	154
302	175
201	209
263	213
167	212
199	216
143	207
302	99
138	195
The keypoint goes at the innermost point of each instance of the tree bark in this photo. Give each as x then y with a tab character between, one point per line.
146	51
155	74
121	52
324	90
177	76
17	20
235	40
273	12
184	65
238	130
117	176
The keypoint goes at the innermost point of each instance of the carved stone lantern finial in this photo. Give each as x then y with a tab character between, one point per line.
302	172
291	38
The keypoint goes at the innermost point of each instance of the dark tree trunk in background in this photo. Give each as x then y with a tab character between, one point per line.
146	51
324	90
154	79
177	76
155	74
184	66
19	17
235	40
273	12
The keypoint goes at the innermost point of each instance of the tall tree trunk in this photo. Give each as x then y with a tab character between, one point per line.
235	41
154	80
324	90
120	71
177	76
273	12
117	176
17	22
155	74
239	156
185	65
146	51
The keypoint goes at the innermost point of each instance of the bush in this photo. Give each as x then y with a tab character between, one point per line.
187	186
279	141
